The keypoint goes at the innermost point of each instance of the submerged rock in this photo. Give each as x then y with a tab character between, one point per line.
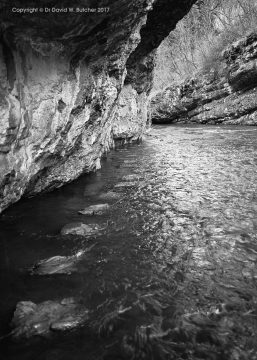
110	195
32	319
125	184
57	264
93	189
80	229
131	177
97	209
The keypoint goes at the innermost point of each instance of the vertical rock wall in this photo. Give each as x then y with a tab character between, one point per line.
63	102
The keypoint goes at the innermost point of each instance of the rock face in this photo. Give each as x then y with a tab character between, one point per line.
72	84
42	319
230	99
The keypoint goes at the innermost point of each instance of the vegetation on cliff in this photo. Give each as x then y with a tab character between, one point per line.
196	45
229	98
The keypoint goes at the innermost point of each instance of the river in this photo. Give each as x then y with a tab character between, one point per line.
172	276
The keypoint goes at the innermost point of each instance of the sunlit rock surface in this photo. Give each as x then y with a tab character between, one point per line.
63	102
229	99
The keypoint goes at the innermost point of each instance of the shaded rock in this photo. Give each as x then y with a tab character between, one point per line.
81	229
245	77
32	319
97	209
57	264
126	125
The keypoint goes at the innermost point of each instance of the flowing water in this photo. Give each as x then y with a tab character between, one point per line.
172	276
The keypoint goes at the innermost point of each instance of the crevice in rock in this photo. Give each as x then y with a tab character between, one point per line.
61	105
8	178
10	63
161	20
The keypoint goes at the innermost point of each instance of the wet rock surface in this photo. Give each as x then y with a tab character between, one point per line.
81	229
57	265
97	209
215	99
42	319
174	273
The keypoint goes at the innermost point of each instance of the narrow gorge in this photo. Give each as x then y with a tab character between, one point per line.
128	182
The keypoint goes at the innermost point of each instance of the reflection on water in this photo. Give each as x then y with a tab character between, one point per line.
174	274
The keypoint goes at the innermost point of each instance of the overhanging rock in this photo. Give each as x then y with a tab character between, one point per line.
62	88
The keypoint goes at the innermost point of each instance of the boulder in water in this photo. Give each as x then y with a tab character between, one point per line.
42	319
81	229
57	265
97	209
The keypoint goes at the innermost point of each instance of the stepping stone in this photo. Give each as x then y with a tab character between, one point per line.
80	229
129	161
110	195
131	177
125	184
42	319
98	209
58	264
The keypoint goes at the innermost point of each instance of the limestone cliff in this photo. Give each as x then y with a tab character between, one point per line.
213	99
71	83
